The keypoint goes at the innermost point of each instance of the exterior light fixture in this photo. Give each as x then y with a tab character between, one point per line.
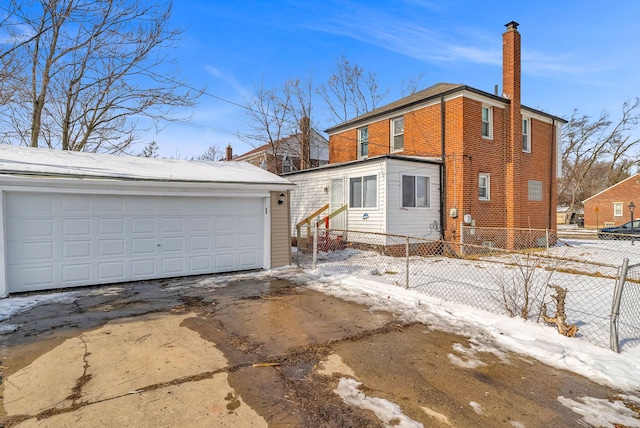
281	199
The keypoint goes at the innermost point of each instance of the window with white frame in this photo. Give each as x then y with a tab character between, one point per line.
363	142
483	187
526	135
397	134
535	190
363	192
487	122
415	191
617	209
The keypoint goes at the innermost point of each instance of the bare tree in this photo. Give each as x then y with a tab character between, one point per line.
150	150
598	153
350	92
213	153
95	67
269	114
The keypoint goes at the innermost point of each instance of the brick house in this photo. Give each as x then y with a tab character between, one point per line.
284	155
499	159
611	206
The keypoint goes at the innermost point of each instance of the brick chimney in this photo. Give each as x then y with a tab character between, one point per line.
229	152
511	91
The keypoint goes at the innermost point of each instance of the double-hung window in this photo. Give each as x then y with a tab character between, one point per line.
617	209
487	122
363	142
397	134
483	187
363	192
415	191
526	135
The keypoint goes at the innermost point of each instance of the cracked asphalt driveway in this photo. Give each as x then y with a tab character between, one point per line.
261	351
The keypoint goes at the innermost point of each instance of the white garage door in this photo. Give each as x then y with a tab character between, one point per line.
65	240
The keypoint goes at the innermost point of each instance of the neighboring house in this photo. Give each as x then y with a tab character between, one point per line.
391	193
499	158
284	155
74	219
566	215
611	206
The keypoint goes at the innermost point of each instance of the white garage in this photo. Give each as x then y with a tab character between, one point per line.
77	219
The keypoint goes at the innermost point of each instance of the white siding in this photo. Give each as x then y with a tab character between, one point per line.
418	222
389	216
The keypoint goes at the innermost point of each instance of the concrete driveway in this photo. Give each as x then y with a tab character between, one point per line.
262	352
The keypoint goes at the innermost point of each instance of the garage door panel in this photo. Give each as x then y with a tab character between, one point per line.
200	263
143	225
111	271
111	226
143	246
200	225
76	273
200	243
57	240
76	226
223	261
224	242
76	249
173	225
173	266
37	276
248	240
37	251
111	204
38	204
173	244
37	228
248	259
75	204
145	268
111	247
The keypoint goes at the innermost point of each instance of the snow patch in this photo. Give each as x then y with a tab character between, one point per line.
386	411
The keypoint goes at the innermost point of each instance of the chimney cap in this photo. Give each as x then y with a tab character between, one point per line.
513	25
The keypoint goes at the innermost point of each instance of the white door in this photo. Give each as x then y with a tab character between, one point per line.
66	240
336	202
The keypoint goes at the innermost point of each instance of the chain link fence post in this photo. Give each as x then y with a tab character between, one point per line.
406	267
615	306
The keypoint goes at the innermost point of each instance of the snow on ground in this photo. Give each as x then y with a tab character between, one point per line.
487	332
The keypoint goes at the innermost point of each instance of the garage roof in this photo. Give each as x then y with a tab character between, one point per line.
59	163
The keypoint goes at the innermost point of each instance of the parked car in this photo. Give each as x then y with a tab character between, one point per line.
625	231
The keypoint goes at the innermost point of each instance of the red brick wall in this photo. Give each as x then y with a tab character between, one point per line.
626	191
467	155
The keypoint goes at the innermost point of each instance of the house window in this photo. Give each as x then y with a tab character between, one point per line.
487	122
617	209
526	135
397	134
483	187
415	191
363	192
363	142
535	190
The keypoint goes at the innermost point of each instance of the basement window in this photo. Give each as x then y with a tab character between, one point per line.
535	190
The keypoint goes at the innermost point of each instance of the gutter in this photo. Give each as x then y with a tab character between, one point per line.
443	175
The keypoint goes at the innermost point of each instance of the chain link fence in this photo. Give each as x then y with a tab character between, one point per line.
522	281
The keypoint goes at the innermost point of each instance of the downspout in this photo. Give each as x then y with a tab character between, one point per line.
443	172
553	170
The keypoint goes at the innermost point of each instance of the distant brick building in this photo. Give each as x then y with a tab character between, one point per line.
499	158
611	206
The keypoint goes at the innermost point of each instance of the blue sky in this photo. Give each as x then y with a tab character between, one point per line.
575	54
